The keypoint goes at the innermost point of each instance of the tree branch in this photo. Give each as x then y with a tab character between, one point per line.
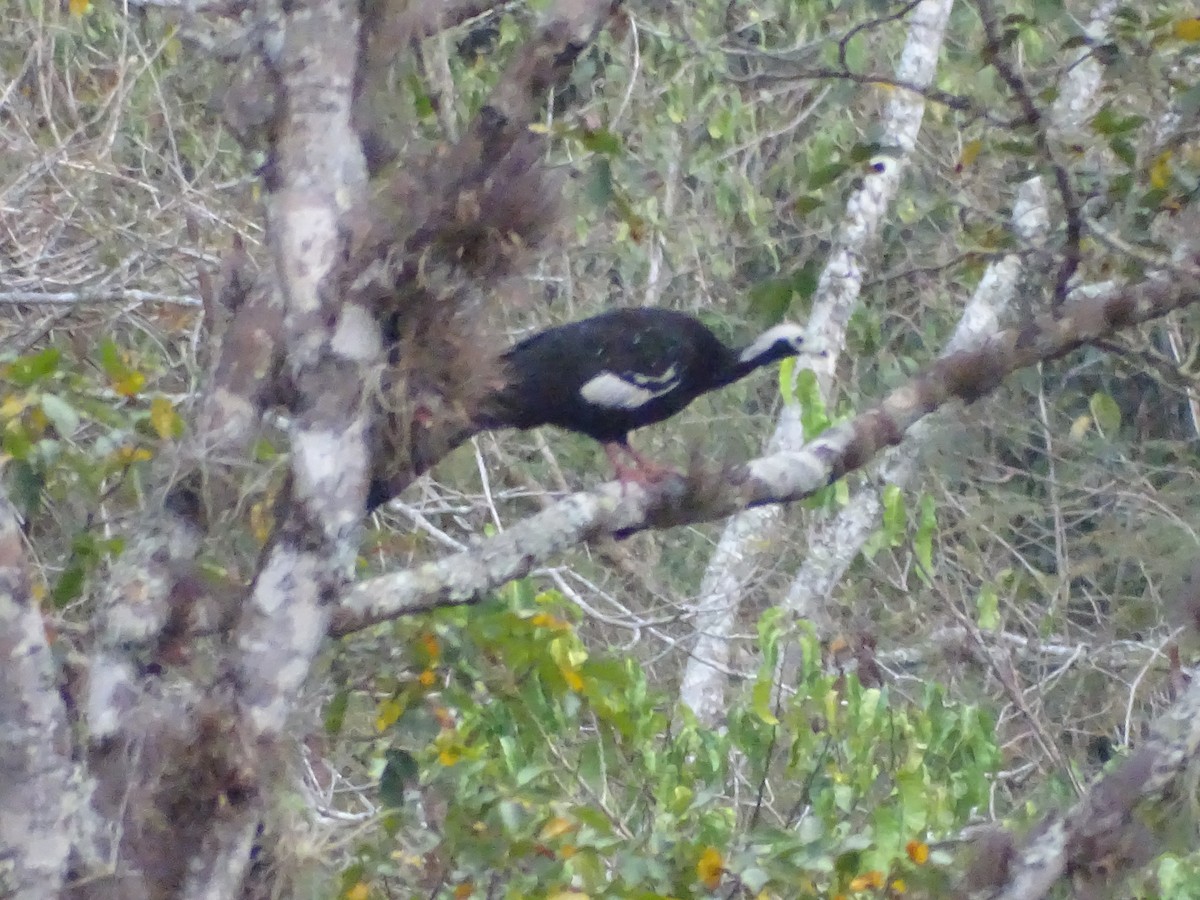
1100	834
36	792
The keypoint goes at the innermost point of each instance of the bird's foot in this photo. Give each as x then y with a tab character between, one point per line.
644	472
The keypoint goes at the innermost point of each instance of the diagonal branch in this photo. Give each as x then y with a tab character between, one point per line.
469	576
1101	835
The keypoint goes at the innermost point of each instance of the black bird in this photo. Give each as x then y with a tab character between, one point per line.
620	370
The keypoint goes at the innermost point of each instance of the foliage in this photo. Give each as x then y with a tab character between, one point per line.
76	437
553	769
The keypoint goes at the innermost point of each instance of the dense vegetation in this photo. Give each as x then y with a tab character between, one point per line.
1002	634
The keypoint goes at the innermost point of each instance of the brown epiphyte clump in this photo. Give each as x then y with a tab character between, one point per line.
433	237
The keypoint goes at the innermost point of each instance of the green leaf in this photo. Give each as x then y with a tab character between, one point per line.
760	701
28	370
399	771
770	631
1109	122
16	442
600	183
601	141
110	360
1017	147
335	712
70	583
987	606
61	414
25	486
923	540
1123	150
787	372
813	415
807	203
824	175
894	519
1105	413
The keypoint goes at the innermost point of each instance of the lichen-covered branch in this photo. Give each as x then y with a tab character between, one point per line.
40	794
1101	836
317	168
781	477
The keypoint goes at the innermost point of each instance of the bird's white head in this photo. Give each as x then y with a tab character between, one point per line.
783	340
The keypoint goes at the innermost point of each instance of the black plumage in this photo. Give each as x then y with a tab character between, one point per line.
618	371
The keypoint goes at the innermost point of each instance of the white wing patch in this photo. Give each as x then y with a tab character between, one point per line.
614	391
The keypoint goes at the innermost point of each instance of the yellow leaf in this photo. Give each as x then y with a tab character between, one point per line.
548	621
429	643
872	880
37	422
1080	426
361	890
389	711
13	405
1160	171
556	827
261	521
970	153
1187	29
899	887
127	455
464	890
129	384
449	755
710	867
428	678
917	851
571	677
164	419
78	7
172	48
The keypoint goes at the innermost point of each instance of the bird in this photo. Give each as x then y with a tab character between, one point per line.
610	374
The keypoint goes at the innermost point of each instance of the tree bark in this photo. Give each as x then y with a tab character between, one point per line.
41	791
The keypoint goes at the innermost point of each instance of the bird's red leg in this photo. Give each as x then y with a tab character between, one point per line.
625	474
646	471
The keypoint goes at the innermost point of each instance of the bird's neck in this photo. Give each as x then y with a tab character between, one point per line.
735	369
